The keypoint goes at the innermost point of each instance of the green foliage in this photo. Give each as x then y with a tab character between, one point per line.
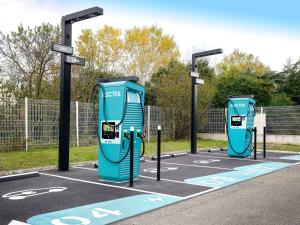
28	63
243	74
29	69
151	94
238	63
141	51
243	85
204	70
83	81
281	99
146	49
170	88
292	84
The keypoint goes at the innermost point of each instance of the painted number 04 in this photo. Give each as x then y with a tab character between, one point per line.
97	213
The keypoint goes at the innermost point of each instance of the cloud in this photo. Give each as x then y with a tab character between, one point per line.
271	46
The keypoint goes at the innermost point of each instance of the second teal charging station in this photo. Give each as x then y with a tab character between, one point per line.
240	122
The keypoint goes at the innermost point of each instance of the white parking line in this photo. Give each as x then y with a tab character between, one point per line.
154	178
258	152
181	164
109	185
84	168
16	222
201	193
147	177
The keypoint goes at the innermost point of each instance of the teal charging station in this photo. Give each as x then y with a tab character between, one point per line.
240	122
121	102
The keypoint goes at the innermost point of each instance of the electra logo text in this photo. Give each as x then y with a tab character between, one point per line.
110	94
238	105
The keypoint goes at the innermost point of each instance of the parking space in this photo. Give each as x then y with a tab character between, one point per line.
270	156
210	162
79	196
22	199
142	184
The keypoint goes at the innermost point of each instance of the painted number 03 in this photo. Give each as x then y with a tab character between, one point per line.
97	213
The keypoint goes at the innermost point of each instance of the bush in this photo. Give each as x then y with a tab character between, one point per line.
243	85
281	99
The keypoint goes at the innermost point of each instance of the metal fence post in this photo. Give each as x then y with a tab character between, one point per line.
77	124
26	123
148	122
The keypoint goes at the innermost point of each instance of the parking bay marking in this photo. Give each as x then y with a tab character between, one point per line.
109	185
256	169
154	170
18	195
201	154
240	174
199	166
147	177
202	161
104	212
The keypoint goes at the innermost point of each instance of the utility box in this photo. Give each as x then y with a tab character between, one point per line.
121	102
240	122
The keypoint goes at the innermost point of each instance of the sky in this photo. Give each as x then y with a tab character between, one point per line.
268	29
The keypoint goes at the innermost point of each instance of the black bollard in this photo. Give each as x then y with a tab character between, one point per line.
255	132
264	152
131	156
158	151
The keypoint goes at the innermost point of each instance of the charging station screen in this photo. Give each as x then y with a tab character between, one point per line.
108	130
236	121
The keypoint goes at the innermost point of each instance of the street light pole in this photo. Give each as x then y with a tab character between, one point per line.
194	74
65	83
65	95
194	110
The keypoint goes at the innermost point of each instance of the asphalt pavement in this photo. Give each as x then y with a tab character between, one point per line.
272	199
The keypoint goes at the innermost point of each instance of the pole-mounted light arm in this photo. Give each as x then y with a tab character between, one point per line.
207	53
83	15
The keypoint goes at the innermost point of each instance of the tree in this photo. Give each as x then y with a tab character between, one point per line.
102	50
171	89
292	84
139	52
86	47
243	74
27	61
146	50
110	45
243	85
83	81
172	86
240	63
